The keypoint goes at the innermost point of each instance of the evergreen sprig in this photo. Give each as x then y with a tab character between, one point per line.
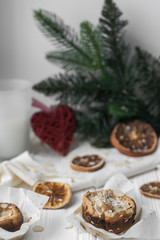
111	27
92	43
80	88
104	83
149	86
59	34
68	60
55	29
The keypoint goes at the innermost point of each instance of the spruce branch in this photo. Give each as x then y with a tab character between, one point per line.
80	88
68	60
100	137
149	68
60	34
111	27
104	83
91	41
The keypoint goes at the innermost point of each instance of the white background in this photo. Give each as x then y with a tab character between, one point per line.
23	46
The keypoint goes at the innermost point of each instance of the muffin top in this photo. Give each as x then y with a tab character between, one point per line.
109	203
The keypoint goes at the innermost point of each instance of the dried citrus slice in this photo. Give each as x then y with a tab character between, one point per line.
134	138
59	193
151	189
87	163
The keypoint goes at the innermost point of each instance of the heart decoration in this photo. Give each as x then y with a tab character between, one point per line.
54	127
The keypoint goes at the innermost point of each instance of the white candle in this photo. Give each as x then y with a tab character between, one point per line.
14	117
14	134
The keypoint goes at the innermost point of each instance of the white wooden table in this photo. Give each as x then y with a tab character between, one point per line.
56	226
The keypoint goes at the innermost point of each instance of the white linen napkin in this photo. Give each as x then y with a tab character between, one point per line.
23	169
50	166
115	162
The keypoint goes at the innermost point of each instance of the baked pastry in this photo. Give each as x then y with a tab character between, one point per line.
151	189
109	210
59	193
134	138
87	163
11	217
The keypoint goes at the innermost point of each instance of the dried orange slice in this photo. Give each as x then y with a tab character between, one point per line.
134	138
87	163
151	189
59	193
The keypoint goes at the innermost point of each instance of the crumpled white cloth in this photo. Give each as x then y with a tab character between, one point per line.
23	169
50	166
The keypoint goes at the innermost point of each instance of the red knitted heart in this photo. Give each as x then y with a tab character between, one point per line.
55	128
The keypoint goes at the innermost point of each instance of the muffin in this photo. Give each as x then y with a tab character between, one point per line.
11	217
109	210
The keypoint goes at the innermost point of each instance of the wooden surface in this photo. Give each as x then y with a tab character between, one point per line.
56	226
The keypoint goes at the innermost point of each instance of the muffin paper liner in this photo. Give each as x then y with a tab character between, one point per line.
145	226
29	203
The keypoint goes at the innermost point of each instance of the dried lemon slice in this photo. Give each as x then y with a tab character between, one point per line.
59	193
134	138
